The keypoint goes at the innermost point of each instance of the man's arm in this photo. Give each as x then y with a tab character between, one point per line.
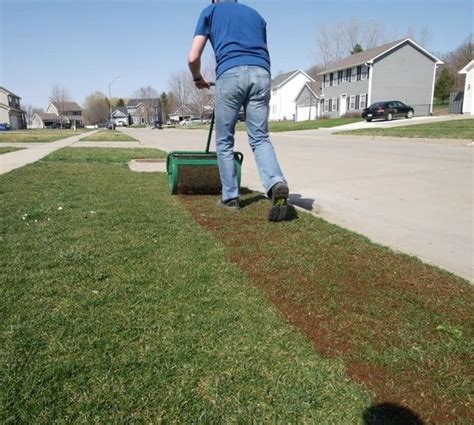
194	60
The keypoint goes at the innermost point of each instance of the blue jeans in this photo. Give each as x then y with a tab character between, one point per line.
247	86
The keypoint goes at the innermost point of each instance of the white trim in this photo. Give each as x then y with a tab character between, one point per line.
353	74
360	101
343	100
291	76
370	70
433	88
334	104
301	91
438	60
350	102
326	105
466	69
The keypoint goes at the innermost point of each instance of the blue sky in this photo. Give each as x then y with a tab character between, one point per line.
84	44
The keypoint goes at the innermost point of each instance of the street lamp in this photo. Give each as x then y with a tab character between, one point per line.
110	100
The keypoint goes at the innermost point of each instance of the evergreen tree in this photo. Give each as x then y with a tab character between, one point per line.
120	103
165	106
357	49
444	85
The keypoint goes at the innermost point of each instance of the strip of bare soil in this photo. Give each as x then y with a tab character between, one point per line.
403	328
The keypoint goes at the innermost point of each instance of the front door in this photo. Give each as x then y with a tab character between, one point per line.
343	104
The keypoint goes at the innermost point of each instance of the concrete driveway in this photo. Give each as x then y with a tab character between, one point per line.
415	196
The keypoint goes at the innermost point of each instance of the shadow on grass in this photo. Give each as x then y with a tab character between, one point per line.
390	414
305	203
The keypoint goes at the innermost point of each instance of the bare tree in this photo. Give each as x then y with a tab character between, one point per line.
96	108
173	103
180	84
30	111
151	104
336	40
59	95
422	35
458	59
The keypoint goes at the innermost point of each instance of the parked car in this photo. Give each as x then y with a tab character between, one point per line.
388	110
157	125
4	126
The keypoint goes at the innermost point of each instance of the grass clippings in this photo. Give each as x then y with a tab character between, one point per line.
403	328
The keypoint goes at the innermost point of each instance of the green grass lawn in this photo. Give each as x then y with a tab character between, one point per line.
456	129
117	307
108	136
120	303
37	136
8	149
280	126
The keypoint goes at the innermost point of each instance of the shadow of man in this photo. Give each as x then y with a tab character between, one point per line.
305	203
390	414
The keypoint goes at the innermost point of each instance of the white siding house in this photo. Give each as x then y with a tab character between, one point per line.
10	110
468	103
285	90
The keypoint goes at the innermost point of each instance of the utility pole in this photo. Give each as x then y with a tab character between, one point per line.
110	100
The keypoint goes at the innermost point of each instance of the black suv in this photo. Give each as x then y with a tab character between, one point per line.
388	110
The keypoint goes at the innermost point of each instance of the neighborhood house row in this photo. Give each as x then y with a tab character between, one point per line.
401	70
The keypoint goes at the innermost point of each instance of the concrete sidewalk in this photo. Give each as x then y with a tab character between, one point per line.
34	152
416	197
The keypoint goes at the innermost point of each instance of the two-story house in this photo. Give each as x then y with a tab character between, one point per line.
70	113
144	111
120	116
284	90
401	70
10	110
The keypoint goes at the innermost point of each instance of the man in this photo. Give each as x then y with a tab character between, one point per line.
238	37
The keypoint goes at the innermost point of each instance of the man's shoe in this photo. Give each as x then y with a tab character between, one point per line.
279	196
231	204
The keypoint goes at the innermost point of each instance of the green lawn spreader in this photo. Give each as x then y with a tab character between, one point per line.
197	172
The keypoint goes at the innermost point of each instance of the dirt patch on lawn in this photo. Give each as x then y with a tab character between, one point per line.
402	327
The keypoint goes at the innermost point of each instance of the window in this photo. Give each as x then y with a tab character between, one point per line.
353	74
326	81
352	103
363	101
364	73
348	74
326	105
331	79
359	73
339	76
334	104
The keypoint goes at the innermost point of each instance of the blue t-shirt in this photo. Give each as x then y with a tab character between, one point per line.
238	35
